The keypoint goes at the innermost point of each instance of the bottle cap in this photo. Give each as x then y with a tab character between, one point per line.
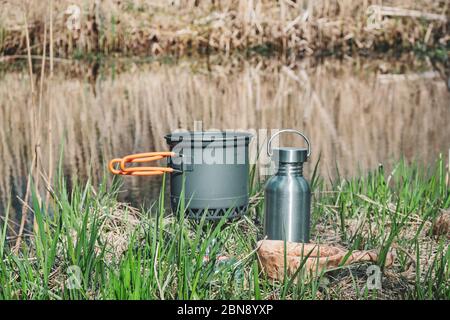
290	155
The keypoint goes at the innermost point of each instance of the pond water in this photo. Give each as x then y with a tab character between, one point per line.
357	113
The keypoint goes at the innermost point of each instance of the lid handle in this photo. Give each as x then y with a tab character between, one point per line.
269	144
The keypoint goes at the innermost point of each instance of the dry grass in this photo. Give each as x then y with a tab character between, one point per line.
295	28
352	117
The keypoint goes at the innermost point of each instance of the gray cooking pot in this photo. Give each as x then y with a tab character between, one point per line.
215	166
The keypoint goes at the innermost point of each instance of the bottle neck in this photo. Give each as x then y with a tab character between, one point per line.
290	169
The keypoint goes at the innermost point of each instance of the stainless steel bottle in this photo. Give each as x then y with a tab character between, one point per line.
287	194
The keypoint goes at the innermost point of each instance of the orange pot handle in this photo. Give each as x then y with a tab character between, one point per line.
138	158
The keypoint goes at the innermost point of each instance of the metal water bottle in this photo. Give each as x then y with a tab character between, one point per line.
287	194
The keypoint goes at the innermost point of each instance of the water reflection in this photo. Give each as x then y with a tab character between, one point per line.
357	114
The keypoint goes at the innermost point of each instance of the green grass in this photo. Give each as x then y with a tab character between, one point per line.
123	253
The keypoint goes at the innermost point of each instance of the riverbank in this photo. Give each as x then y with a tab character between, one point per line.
291	29
87	245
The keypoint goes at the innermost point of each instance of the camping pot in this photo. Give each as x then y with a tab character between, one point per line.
209	172
287	193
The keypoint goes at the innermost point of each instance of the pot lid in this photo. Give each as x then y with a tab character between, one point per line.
207	136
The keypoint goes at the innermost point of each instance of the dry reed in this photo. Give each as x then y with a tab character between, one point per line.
155	27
